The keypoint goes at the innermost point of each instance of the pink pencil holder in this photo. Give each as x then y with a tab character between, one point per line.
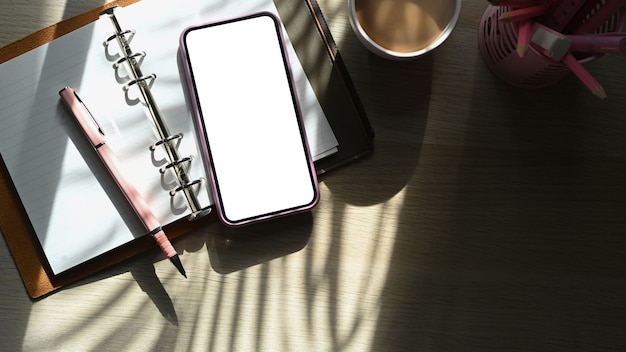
498	42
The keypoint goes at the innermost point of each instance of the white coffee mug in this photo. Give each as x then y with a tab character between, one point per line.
403	29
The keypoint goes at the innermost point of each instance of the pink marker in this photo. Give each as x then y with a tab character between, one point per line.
608	43
95	135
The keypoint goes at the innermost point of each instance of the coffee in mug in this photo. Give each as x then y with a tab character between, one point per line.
403	28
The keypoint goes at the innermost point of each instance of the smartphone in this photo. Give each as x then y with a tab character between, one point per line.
248	119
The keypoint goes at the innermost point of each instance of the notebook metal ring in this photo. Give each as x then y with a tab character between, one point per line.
150	77
121	34
182	187
166	140
141	54
126	55
175	163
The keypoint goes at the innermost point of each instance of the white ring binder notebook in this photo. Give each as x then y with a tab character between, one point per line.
177	163
76	211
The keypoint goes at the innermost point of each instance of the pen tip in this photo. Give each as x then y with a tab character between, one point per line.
178	264
521	50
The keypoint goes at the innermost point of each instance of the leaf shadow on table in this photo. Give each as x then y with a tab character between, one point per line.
396	96
521	233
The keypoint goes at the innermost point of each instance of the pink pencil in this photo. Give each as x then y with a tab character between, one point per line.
523	37
524	13
584	76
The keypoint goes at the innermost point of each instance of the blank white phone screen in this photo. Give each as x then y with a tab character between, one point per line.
257	150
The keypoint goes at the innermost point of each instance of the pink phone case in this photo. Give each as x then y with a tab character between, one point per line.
209	142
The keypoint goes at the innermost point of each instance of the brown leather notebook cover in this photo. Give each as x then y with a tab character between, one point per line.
18	232
335	92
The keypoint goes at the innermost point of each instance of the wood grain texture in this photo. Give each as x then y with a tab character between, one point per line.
488	218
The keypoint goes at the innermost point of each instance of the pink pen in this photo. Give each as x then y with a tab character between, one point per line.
95	135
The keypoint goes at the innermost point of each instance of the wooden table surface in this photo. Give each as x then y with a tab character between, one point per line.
489	218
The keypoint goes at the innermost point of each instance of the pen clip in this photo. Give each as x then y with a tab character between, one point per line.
89	112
